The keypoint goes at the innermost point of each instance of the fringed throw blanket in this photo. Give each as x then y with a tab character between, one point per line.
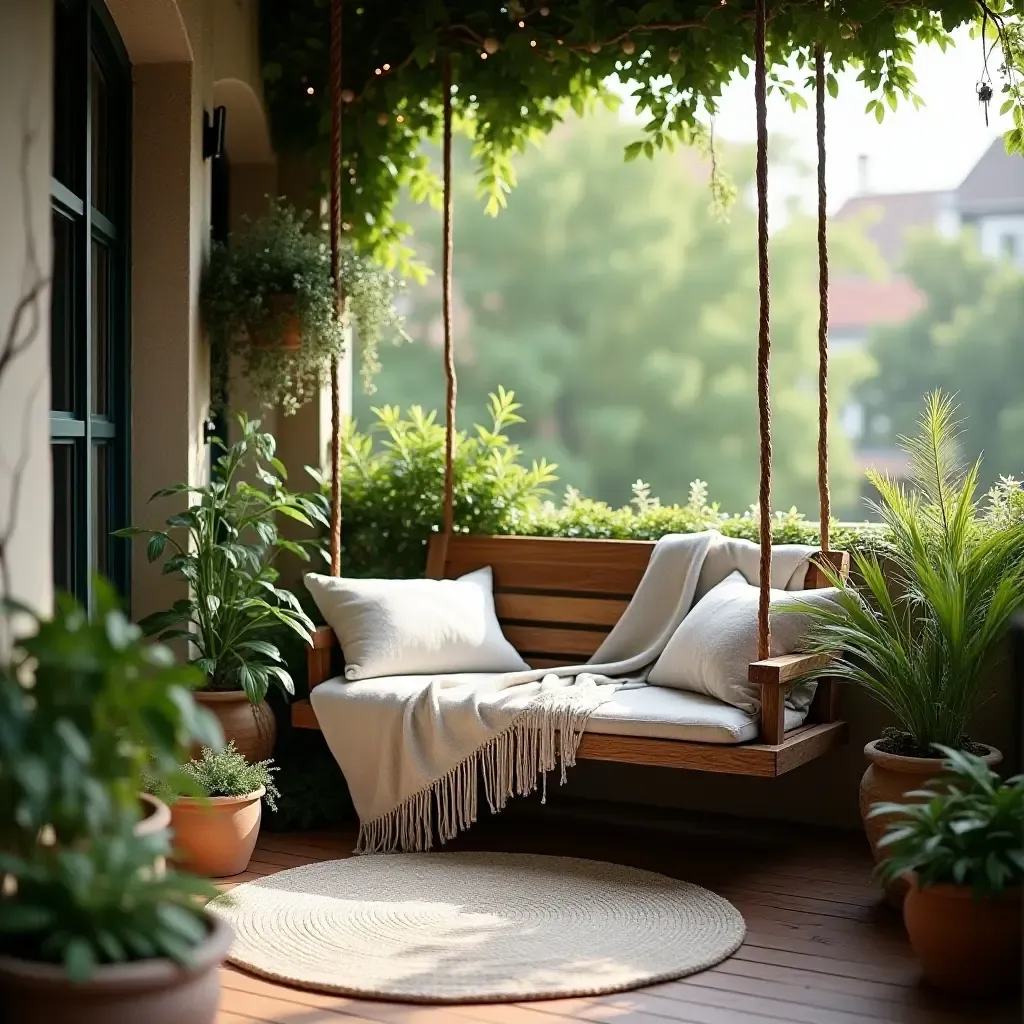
413	748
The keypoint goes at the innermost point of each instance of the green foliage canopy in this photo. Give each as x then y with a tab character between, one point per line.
520	67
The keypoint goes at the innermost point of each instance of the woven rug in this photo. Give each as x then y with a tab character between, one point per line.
475	927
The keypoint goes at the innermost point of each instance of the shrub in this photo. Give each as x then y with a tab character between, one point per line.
228	773
392	482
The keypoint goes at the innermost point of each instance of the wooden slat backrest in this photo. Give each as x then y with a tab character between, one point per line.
556	598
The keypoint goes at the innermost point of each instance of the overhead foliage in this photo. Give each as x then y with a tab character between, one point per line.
518	68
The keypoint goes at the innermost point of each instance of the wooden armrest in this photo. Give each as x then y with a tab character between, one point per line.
787	668
320	656
775	676
323	637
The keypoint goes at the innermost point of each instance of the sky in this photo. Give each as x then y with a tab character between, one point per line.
912	150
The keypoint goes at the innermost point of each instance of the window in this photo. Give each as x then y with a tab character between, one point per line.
1008	245
89	336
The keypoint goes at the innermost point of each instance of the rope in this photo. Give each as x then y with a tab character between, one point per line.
336	275
764	345
823	495
446	301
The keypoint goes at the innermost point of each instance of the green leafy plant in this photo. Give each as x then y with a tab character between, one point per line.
965	831
87	710
223	547
226	772
522	68
926	653
392	486
276	268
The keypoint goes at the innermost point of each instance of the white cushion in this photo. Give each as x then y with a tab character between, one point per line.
649	712
656	712
711	650
406	627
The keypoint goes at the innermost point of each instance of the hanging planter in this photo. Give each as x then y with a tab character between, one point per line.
269	308
281	328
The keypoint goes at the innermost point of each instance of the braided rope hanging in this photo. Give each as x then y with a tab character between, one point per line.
824	510
764	344
446	304
337	278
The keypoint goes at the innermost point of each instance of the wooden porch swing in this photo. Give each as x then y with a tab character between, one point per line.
558	598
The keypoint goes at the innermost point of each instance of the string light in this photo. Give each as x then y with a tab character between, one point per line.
491	45
310	90
347	95
628	47
387	67
399	119
533	42
376	71
483	56
522	24
545	11
382	118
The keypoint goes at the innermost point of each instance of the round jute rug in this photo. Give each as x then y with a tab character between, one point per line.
475	927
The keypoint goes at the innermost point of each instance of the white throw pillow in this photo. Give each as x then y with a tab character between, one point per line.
415	627
712	648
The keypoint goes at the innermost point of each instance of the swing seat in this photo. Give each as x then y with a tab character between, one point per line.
558	598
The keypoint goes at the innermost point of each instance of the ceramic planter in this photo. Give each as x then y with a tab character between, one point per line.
888	779
965	945
251	726
142	992
216	836
282	328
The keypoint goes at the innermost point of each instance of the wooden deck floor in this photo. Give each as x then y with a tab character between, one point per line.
820	947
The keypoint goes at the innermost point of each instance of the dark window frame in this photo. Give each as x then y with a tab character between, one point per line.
86	33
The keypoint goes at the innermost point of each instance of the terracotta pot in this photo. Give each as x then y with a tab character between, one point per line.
888	779
281	329
251	726
216	836
149	991
965	944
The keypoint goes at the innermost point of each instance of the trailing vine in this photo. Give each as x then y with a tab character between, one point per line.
521	67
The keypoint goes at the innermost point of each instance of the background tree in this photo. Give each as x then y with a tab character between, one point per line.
623	313
968	340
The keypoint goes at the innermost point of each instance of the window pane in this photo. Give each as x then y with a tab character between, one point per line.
100	510
100	355
62	349
67	127
100	140
63	516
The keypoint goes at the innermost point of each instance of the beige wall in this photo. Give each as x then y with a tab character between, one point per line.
25	145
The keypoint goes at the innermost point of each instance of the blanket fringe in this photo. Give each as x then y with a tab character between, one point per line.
539	739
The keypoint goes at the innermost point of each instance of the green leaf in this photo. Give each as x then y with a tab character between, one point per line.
79	959
24	918
155	547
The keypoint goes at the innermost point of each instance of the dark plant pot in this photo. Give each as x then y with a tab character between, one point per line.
888	779
251	726
280	329
143	992
965	945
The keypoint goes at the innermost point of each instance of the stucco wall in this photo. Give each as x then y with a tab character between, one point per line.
25	146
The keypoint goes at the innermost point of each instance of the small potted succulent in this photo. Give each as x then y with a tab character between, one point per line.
223	547
961	848
93	925
215	831
268	298
923	627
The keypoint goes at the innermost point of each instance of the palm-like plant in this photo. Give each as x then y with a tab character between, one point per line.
224	546
925	653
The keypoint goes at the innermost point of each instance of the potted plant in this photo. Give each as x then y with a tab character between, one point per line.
962	848
223	548
268	298
215	831
923	632
93	928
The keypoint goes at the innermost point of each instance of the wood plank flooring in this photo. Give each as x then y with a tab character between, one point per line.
820	949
